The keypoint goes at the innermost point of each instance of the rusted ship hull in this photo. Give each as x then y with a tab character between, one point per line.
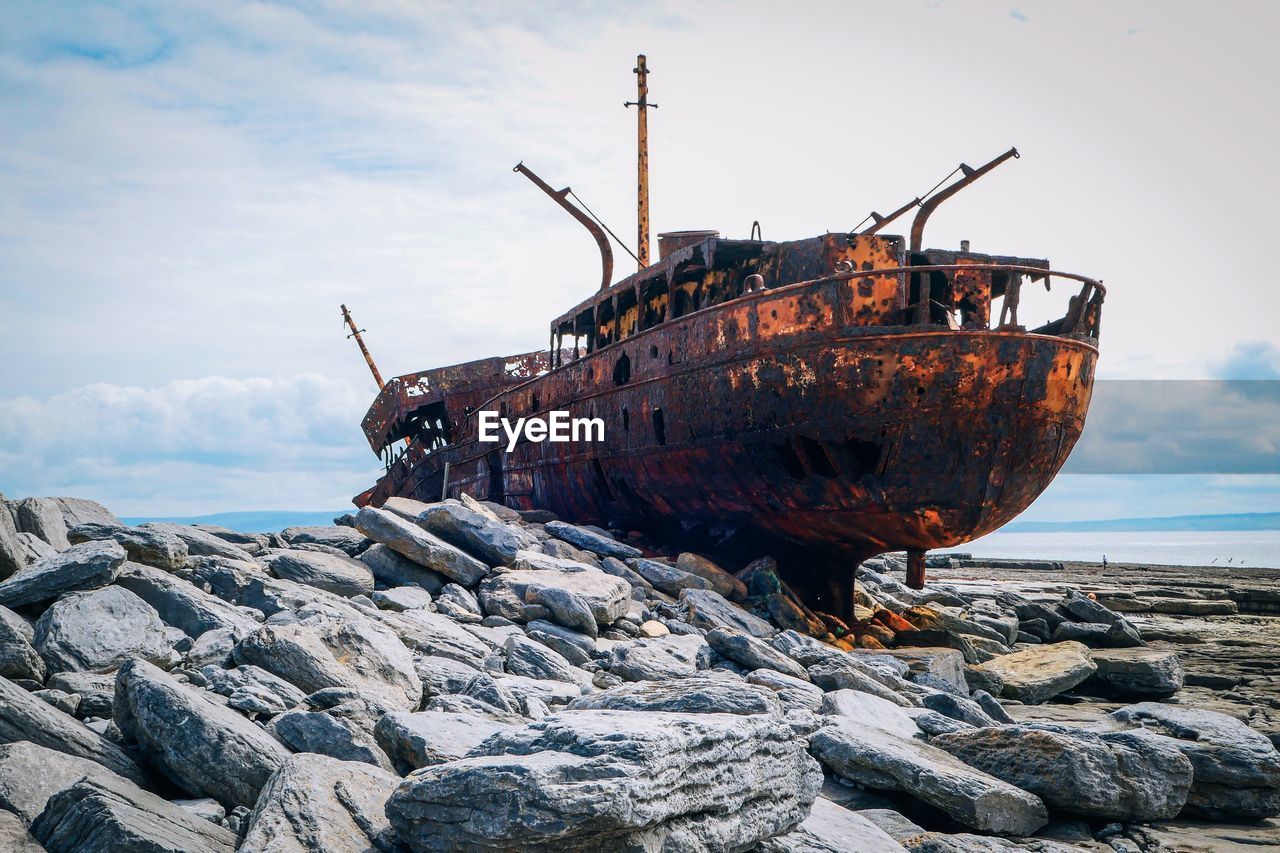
780	417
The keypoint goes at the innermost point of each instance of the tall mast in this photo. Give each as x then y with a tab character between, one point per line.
642	160
355	333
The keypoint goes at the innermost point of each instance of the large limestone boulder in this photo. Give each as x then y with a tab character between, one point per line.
751	653
42	517
109	815
392	568
876	758
1125	776
18	658
699	694
328	651
830	828
203	747
12	552
1237	769
30	774
476	533
591	540
707	609
145	545
200	543
1040	672
86	566
418	545
314	802
99	630
575	599
345	539
1138	671
340	575
77	511
26	717
432	737
659	658
614	780
184	605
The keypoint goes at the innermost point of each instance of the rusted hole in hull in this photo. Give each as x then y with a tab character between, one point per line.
659	427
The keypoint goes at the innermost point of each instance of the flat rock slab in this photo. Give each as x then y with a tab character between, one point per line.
200	543
417	544
86	566
700	694
314	803
340	575
941	662
614	780
590	540
111	815
346	738
252	689
99	630
204	748
1237	769
575	599
346	539
1138	672
184	605
866	709
1041	672
707	609
327	651
144	545
30	774
830	828
751	653
1124	776
875	758
476	533
394	569
25	717
432	737
660	658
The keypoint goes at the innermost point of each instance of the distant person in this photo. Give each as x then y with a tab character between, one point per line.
1104	561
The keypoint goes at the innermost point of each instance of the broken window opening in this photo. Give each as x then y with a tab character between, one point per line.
659	427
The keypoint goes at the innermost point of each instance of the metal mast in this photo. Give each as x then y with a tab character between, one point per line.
355	333
642	160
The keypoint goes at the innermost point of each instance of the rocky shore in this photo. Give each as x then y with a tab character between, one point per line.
460	676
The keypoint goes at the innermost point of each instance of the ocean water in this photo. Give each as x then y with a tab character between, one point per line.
1176	547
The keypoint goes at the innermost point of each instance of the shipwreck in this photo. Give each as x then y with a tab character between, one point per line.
826	399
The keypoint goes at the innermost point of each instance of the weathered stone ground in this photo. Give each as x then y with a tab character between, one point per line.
458	676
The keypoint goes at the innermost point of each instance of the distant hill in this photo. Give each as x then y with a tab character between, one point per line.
270	521
1236	521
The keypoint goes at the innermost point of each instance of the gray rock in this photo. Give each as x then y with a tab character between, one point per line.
254	543
77	511
63	701
848	673
589	540
326	651
720	580
42	517
619	569
614	780
991	705
476	533
202	747
345	539
700	694
1138	672
534	660
24	717
669	579
879	759
866	709
99	630
394	569
418	545
751	653
573	646
30	774
458	603
87	566
659	659
96	690
443	676
575	599
316	803
946	664
830	828
894	824
326	734
340	575
108	815
1127	776
803	649
184	605
213	647
432	737
706	609
1237	770
200	543
402	598
14	836
144	545
1093	634
13	554
958	708
796	694
18	659
932	723
252	689
1041	672
433	634
1086	609
204	808
34	549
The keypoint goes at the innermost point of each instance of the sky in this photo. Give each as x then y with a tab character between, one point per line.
189	190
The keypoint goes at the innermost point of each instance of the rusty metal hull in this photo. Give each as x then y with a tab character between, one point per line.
779	417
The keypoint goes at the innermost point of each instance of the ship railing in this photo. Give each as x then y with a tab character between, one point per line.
971	291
